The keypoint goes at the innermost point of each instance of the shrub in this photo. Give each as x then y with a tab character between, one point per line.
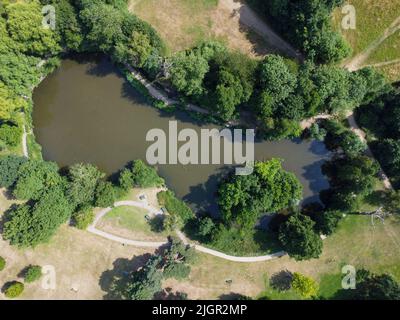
304	286
14	290
10	134
105	194
83	219
32	273
2	263
175	206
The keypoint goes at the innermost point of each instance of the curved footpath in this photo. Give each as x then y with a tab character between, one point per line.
149	244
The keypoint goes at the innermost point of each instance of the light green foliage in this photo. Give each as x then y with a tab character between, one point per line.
136	52
11	135
188	71
83	218
305	286
145	176
2	263
83	182
24	25
14	290
175	206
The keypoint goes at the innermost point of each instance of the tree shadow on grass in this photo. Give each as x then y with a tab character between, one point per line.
114	281
281	281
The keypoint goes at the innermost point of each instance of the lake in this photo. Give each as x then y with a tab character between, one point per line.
86	112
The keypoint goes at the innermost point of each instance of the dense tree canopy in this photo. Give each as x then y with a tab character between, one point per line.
242	199
299	238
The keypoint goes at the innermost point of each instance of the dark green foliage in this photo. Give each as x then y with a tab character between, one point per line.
307	24
268	189
172	262
29	225
299	238
206	227
338	136
36	178
351	180
375	287
105	194
32	273
9	168
146	282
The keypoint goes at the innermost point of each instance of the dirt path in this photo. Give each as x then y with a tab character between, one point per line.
150	244
358	61
24	143
250	19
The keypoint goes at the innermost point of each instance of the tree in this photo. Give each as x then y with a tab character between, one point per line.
145	176
299	239
14	289
10	134
32	273
83	182
188	71
206	227
377	287
24	24
135	52
146	282
276	79
83	218
29	225
36	178
105	194
9	168
352	144
327	221
305	286
2	263
104	25
242	199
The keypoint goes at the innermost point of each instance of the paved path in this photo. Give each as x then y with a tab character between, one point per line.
149	244
249	18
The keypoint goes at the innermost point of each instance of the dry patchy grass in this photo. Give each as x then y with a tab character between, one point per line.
183	23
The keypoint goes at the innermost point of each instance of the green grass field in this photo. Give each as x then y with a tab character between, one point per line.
373	18
130	222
